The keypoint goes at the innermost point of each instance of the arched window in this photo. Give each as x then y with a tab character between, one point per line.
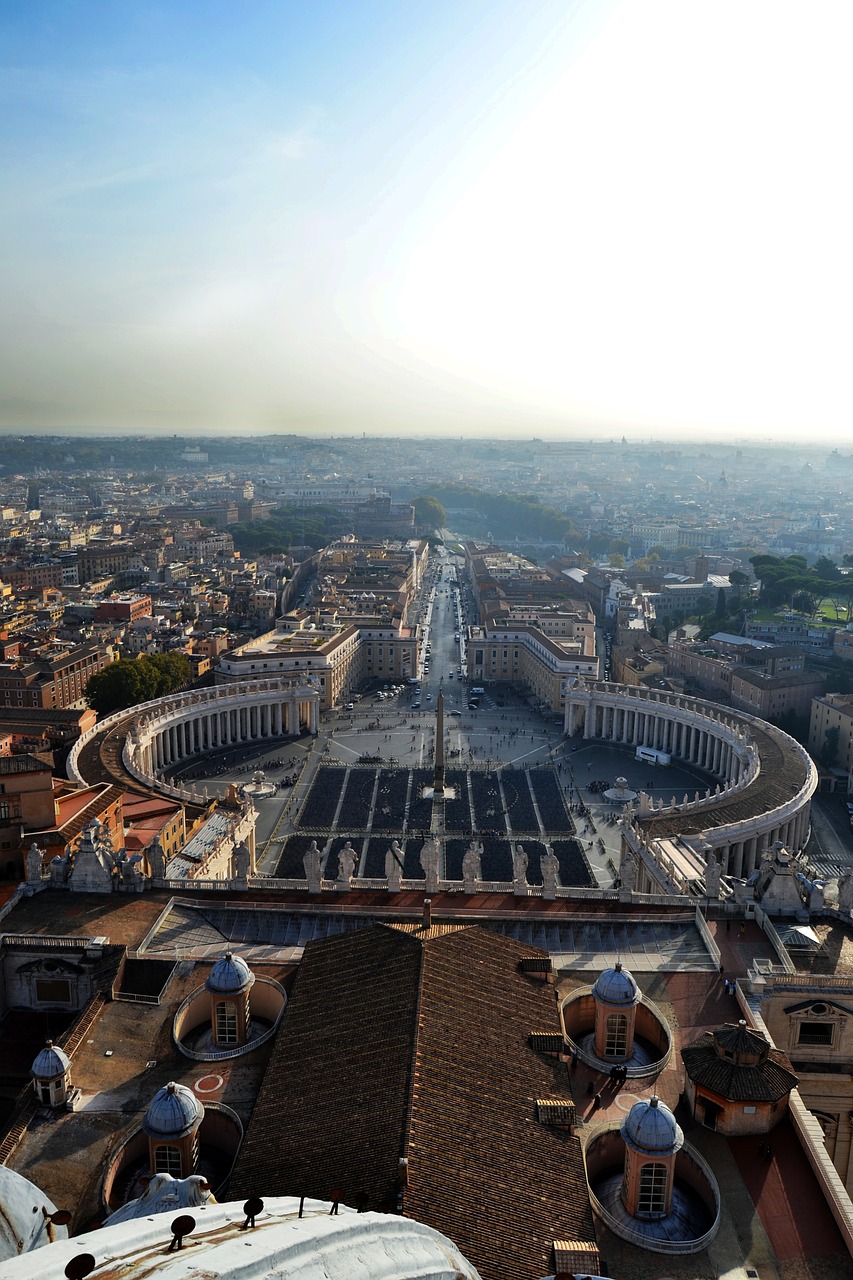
651	1198
226	1022
167	1160
617	1035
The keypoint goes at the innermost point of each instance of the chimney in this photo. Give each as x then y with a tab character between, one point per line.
427	912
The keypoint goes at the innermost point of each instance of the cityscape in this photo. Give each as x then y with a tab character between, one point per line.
315	756
426	641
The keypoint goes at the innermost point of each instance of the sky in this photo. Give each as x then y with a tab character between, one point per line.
538	218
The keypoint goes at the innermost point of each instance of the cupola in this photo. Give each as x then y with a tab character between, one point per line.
229	983
616	997
171	1123
652	1138
51	1072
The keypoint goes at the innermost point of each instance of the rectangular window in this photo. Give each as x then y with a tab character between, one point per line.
167	1160
53	991
816	1033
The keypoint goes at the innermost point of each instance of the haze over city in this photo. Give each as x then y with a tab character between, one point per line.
550	218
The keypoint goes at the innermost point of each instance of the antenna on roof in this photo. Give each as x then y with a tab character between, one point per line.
182	1226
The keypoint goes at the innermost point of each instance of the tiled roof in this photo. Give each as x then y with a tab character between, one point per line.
332	1109
766	1081
394	1045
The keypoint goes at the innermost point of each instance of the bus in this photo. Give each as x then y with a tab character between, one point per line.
648	755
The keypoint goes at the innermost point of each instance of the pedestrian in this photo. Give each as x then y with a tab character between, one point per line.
728	926
596	1102
722	970
590	1088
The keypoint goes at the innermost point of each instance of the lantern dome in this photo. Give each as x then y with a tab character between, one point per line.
230	975
174	1112
50	1062
616	987
651	1129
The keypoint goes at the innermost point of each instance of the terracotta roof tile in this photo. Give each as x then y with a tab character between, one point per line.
395	1045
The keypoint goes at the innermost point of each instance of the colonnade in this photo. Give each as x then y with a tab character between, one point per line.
695	740
717	741
201	729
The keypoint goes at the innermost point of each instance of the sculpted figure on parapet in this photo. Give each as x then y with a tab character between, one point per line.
519	865
34	863
346	865
311	861
429	858
472	866
550	867
156	859
713	876
394	866
845	891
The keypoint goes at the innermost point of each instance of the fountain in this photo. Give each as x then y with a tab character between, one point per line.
621	793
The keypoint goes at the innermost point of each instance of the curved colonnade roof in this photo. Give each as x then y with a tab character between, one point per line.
782	774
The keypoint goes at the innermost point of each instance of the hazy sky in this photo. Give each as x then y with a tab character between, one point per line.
517	216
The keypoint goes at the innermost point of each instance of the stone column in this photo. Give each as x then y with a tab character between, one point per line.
292	717
314	716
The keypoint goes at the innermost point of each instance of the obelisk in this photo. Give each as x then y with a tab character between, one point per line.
438	773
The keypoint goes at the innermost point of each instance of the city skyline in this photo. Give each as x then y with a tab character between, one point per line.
586	220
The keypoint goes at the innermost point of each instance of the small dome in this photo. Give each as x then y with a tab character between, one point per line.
230	974
617	987
652	1129
50	1062
174	1112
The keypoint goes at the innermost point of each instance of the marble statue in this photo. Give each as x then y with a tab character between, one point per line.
34	864
311	861
550	867
628	872
713	876
472	866
346	866
242	862
156	859
845	891
429	859
519	868
394	867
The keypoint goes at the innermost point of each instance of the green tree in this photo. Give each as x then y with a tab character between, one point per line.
133	680
826	568
429	512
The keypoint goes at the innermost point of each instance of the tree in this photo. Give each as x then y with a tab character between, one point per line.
429	512
721	609
826	568
132	680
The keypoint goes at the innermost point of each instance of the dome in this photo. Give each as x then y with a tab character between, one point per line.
23	1224
230	974
617	987
652	1129
174	1112
50	1062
